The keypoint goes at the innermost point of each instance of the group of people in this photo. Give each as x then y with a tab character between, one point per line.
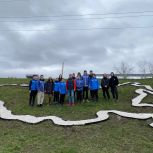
76	87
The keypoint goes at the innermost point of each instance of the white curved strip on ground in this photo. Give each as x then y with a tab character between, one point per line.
101	115
2	85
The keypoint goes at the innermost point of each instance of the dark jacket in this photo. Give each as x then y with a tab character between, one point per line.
113	82
105	83
49	87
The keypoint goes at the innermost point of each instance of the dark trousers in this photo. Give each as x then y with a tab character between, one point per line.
106	93
85	93
56	96
114	92
79	95
62	99
94	94
33	95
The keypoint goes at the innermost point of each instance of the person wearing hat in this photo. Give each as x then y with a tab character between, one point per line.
113	83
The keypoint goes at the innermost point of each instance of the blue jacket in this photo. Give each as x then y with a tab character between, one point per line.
56	86
41	86
94	84
79	84
62	88
33	85
85	80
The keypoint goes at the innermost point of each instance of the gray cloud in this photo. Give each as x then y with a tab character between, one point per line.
37	51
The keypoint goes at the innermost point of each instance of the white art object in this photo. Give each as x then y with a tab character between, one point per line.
101	115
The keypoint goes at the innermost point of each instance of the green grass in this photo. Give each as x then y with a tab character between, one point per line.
116	135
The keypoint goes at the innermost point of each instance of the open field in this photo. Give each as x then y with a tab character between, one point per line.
117	135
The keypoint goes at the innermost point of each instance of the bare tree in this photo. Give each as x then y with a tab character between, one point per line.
124	69
143	67
150	68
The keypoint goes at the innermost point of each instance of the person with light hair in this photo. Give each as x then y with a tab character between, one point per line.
41	91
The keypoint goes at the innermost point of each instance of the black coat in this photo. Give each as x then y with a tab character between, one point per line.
113	82
49	87
105	83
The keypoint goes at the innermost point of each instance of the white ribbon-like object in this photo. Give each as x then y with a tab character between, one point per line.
101	115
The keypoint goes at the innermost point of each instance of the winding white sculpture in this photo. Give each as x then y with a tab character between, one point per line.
101	115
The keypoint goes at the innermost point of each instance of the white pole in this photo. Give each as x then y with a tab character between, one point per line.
62	69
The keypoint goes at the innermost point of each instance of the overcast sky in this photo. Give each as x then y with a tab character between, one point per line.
53	40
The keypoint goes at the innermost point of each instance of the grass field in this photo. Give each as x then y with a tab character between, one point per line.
116	135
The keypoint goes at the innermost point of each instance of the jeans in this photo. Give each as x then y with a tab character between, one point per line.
71	96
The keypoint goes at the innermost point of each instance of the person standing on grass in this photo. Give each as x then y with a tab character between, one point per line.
113	83
71	88
41	91
105	86
62	91
79	88
56	90
74	78
94	87
85	86
90	77
33	90
49	88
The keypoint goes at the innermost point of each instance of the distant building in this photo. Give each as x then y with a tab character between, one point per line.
30	76
130	76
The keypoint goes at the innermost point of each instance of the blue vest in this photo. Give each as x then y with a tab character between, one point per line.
33	85
41	86
56	86
94	84
62	88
